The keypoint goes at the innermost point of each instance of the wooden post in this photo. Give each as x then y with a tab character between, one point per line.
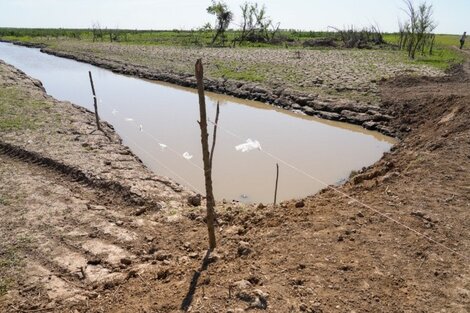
95	101
205	154
277	180
214	136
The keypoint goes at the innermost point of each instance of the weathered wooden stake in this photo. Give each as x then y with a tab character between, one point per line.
95	101
205	154
214	136
277	180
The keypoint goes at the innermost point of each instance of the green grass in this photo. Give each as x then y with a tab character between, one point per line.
19	111
445	53
442	58
175	37
20	38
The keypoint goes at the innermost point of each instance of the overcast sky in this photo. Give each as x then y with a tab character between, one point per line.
452	15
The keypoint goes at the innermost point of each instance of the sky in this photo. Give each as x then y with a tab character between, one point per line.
451	15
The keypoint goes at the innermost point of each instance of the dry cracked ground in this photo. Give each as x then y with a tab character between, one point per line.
352	74
339	84
85	227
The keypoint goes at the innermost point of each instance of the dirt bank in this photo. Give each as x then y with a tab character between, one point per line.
69	245
340	85
66	134
65	192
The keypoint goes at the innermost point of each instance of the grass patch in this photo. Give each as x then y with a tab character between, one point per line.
19	111
444	55
442	58
237	72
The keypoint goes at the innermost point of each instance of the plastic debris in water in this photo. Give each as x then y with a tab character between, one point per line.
248	146
162	145
187	156
129	119
114	112
141	128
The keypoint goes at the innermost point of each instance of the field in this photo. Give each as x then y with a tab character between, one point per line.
443	57
151	37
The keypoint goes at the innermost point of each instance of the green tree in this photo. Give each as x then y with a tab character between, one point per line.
224	17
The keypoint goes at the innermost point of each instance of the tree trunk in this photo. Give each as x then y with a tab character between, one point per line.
432	44
205	155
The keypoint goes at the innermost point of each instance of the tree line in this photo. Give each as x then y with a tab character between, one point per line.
415	33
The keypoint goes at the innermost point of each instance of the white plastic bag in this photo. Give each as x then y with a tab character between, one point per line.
187	156
248	146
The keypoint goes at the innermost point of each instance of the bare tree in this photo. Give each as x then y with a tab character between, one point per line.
224	18
256	26
97	31
416	33
248	22
360	38
403	28
114	34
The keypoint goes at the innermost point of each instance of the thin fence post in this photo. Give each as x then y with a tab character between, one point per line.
95	102
205	154
277	180
214	136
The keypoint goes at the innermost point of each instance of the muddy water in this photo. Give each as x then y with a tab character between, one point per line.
150	116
